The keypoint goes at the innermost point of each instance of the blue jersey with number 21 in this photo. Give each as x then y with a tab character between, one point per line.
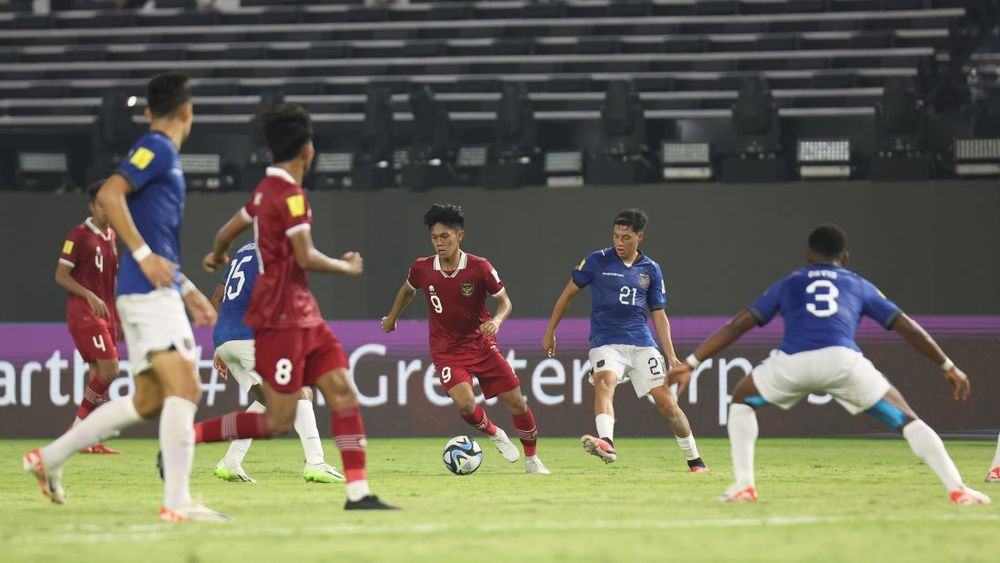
822	305
236	292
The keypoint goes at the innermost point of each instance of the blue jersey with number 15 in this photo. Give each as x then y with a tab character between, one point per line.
822	305
238	286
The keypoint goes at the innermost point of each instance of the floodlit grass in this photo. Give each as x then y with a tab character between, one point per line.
821	500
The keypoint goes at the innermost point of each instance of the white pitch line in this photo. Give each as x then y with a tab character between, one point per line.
93	534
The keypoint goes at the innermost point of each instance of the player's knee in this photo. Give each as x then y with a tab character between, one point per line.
147	407
466	406
108	371
890	414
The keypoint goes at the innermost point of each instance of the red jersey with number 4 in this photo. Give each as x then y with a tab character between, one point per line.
456	304
281	298
93	260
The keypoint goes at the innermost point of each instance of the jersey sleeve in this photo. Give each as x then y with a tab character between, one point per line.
145	163
768	304
70	249
493	283
583	274
413	276
878	307
294	211
656	295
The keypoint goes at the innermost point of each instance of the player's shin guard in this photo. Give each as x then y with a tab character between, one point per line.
93	396
101	424
927	445
479	419
524	425
743	432
349	433
233	426
177	448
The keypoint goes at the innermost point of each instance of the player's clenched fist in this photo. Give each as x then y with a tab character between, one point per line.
158	270
388	325
490	328
355	263
549	345
202	312
210	262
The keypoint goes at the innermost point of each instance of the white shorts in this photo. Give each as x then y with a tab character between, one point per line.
238	355
154	322
784	379
643	366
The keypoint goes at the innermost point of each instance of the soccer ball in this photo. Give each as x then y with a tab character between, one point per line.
462	455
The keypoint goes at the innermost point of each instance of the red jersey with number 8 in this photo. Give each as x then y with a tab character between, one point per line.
281	298
93	260
456	304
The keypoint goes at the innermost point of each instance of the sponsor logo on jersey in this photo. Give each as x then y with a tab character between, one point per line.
141	158
468	288
613	274
644	280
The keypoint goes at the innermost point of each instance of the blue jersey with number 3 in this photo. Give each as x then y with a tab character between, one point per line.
619	297
822	305
238	286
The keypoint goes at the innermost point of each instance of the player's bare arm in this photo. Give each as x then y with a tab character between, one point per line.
309	258
217	296
403	298
912	332
504	308
224	238
157	269
558	312
66	281
717	342
201	309
662	324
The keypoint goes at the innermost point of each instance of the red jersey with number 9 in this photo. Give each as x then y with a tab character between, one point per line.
281	298
93	260
456	304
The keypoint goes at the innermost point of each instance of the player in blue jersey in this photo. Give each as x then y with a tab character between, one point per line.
625	283
234	354
144	199
822	305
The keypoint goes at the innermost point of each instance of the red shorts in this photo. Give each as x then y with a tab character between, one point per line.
95	341
492	370
291	358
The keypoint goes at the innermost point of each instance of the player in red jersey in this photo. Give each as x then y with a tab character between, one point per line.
462	334
87	269
294	345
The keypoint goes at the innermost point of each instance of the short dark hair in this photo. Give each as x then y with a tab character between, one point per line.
92	189
287	128
167	92
828	240
447	214
634	219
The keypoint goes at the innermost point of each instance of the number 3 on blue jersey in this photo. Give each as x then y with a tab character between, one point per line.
824	302
236	278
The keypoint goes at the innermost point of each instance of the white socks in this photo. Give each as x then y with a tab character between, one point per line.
305	427
605	426
688	446
177	447
238	448
357	490
103	423
927	445
996	456
742	437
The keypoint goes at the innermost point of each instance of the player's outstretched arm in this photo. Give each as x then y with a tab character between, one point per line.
662	324
558	312
157	269
224	238
717	342
403	298
66	281
308	258
915	334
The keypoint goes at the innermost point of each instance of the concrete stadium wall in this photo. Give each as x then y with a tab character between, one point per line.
932	247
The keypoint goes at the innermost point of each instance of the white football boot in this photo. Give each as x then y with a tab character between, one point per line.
506	448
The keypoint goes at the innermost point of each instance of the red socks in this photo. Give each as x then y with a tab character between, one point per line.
524	425
93	395
349	434
479	419
233	426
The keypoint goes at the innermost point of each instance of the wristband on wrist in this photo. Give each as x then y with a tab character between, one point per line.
692	361
142	253
187	286
947	365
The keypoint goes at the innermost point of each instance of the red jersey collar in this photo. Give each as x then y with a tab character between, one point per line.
89	222
463	261
276	172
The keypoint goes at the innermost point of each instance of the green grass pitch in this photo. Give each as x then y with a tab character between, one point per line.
821	500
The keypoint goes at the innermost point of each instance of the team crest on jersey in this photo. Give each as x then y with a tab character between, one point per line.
644	280
468	288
